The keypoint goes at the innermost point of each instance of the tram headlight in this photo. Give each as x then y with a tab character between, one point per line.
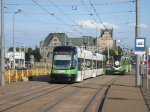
116	63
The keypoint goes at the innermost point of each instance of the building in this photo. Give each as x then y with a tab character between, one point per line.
19	59
86	42
105	40
52	40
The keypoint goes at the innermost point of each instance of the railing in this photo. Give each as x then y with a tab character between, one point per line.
18	75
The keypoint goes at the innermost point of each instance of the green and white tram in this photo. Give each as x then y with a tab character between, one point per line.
73	64
121	64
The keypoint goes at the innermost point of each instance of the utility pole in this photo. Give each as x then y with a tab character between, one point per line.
14	48
2	45
137	32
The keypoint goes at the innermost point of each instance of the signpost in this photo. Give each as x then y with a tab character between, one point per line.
147	70
140	45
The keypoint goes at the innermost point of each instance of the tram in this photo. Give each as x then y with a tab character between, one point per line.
74	64
121	64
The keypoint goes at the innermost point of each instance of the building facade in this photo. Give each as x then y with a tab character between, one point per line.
52	40
19	59
105	40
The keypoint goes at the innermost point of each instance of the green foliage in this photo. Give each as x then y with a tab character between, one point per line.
10	49
120	52
35	53
111	53
17	49
28	54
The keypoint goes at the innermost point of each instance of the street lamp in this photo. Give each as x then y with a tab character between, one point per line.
14	49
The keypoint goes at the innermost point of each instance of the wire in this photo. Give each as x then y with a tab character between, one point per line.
88	10
52	14
97	15
67	16
106	3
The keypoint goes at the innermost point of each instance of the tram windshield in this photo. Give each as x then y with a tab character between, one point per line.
62	60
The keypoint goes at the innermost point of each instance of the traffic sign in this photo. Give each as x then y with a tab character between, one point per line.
140	45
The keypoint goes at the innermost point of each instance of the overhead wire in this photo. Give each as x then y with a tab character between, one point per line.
30	17
80	26
129	17
52	14
97	15
105	3
88	10
110	3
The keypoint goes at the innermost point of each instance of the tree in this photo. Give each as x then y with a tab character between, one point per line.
28	54
10	49
17	49
36	54
111	53
120	52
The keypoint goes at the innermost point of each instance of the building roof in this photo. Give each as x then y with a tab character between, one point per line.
110	31
88	40
60	36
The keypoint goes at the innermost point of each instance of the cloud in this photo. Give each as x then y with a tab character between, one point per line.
92	24
141	25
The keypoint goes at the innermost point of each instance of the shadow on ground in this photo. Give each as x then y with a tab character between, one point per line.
45	78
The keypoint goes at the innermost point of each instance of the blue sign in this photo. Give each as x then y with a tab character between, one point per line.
140	45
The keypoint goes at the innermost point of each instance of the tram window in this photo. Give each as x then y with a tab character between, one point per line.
99	64
80	64
88	64
94	64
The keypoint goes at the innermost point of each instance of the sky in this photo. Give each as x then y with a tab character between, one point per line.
76	18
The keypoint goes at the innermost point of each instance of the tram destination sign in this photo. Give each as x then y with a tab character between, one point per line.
140	45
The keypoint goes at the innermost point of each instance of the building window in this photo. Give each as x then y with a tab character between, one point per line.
55	43
55	39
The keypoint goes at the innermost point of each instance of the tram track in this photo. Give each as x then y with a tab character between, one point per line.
53	106
24	94
100	106
91	102
51	98
29	97
21	92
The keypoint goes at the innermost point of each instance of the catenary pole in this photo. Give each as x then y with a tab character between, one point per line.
2	45
137	33
14	47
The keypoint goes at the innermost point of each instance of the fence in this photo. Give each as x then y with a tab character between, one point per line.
18	75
